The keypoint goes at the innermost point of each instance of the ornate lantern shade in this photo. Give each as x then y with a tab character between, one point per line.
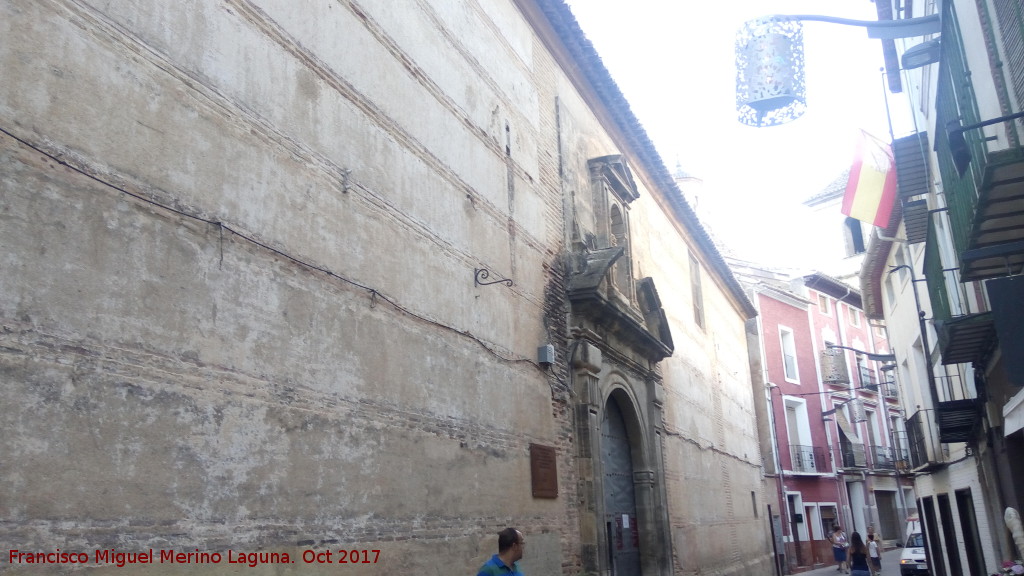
770	72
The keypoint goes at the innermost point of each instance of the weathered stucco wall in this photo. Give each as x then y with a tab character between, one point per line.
237	300
173	383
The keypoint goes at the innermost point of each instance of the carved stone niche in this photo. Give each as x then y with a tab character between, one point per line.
613	189
614	171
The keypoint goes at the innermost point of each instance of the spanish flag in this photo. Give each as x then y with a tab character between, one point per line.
871	190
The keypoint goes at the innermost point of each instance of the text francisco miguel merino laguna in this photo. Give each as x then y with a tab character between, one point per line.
122	559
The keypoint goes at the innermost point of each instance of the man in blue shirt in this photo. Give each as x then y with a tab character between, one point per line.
506	562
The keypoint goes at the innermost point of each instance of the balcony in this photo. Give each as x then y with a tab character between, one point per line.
884	458
969	338
962	336
996	239
889	390
808	459
902	454
984	188
868	380
926	452
912	181
852	454
958	420
958	413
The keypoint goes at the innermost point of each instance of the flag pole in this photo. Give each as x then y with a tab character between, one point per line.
885	97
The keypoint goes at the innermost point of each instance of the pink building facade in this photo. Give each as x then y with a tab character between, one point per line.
838	447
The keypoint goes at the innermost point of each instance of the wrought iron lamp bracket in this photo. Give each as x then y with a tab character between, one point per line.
482	274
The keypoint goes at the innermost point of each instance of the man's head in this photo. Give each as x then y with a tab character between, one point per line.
511	544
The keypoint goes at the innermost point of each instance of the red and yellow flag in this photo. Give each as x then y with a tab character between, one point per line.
871	190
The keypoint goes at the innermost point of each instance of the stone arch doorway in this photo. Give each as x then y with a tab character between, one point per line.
621	521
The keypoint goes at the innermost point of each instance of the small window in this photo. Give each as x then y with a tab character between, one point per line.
901	261
854	237
823	305
788	354
854	316
698	297
890	292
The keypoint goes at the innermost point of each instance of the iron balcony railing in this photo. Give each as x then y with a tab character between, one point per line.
954	386
867	379
851	455
962	336
809	459
923	441
956	101
979	172
902	453
889	390
886	457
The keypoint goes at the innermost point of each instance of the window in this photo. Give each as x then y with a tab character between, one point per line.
873	434
854	315
798	431
613	190
824	305
788	354
618	237
890	292
829	519
901	261
854	237
698	298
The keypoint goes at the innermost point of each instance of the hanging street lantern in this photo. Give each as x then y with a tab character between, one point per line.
770	72
770	60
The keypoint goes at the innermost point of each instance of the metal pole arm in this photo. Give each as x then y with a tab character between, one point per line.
884	29
870	355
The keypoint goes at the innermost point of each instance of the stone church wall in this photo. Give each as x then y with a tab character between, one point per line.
238	302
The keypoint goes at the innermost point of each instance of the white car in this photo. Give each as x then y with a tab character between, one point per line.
913	559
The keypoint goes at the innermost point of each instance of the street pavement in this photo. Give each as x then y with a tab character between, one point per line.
890	565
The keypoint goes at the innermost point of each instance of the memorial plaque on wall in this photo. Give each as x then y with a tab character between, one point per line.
544	471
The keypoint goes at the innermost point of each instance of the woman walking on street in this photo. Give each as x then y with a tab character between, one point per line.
858	556
839	544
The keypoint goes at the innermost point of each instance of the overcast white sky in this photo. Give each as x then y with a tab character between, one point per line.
674	61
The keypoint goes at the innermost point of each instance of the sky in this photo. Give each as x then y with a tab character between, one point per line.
674	60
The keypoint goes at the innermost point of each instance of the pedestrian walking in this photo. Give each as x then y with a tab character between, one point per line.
510	550
858	556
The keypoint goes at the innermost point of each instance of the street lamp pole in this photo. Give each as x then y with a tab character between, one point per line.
880	29
870	356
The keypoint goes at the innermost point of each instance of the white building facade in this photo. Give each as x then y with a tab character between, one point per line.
948	284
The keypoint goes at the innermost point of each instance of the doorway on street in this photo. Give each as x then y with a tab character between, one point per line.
622	532
888	515
969	528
